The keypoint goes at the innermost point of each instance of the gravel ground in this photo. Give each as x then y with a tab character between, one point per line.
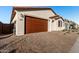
6	40
46	42
43	42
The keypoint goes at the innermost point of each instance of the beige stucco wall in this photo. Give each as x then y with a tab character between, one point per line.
54	25
45	14
19	25
16	17
49	25
66	23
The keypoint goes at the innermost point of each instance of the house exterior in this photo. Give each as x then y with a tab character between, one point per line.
66	24
76	26
57	23
30	20
73	25
69	25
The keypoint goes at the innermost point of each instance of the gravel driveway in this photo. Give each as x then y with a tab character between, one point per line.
47	42
43	42
6	40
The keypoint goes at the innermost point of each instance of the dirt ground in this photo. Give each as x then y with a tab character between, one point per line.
43	42
46	42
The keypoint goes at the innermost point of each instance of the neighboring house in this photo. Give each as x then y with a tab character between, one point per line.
57	23
66	24
73	25
78	26
30	20
70	25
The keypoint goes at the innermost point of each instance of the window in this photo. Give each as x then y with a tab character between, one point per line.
59	23
52	21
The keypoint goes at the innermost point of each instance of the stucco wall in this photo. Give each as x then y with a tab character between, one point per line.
19	24
49	25
54	25
66	25
45	14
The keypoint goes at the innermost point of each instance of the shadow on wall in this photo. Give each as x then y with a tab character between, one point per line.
6	28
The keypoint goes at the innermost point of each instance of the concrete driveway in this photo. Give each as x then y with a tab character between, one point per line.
75	48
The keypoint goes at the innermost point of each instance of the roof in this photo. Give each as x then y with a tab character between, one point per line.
65	20
56	17
28	9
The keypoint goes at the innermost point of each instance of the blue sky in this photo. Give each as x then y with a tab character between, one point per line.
5	14
67	12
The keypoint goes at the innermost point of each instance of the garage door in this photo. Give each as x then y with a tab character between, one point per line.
33	24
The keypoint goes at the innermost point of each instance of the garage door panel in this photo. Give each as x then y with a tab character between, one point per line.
35	25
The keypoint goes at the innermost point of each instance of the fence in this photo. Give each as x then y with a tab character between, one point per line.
6	28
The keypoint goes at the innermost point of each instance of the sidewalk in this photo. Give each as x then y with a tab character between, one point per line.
75	48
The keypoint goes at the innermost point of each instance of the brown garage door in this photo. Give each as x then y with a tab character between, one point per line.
33	24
